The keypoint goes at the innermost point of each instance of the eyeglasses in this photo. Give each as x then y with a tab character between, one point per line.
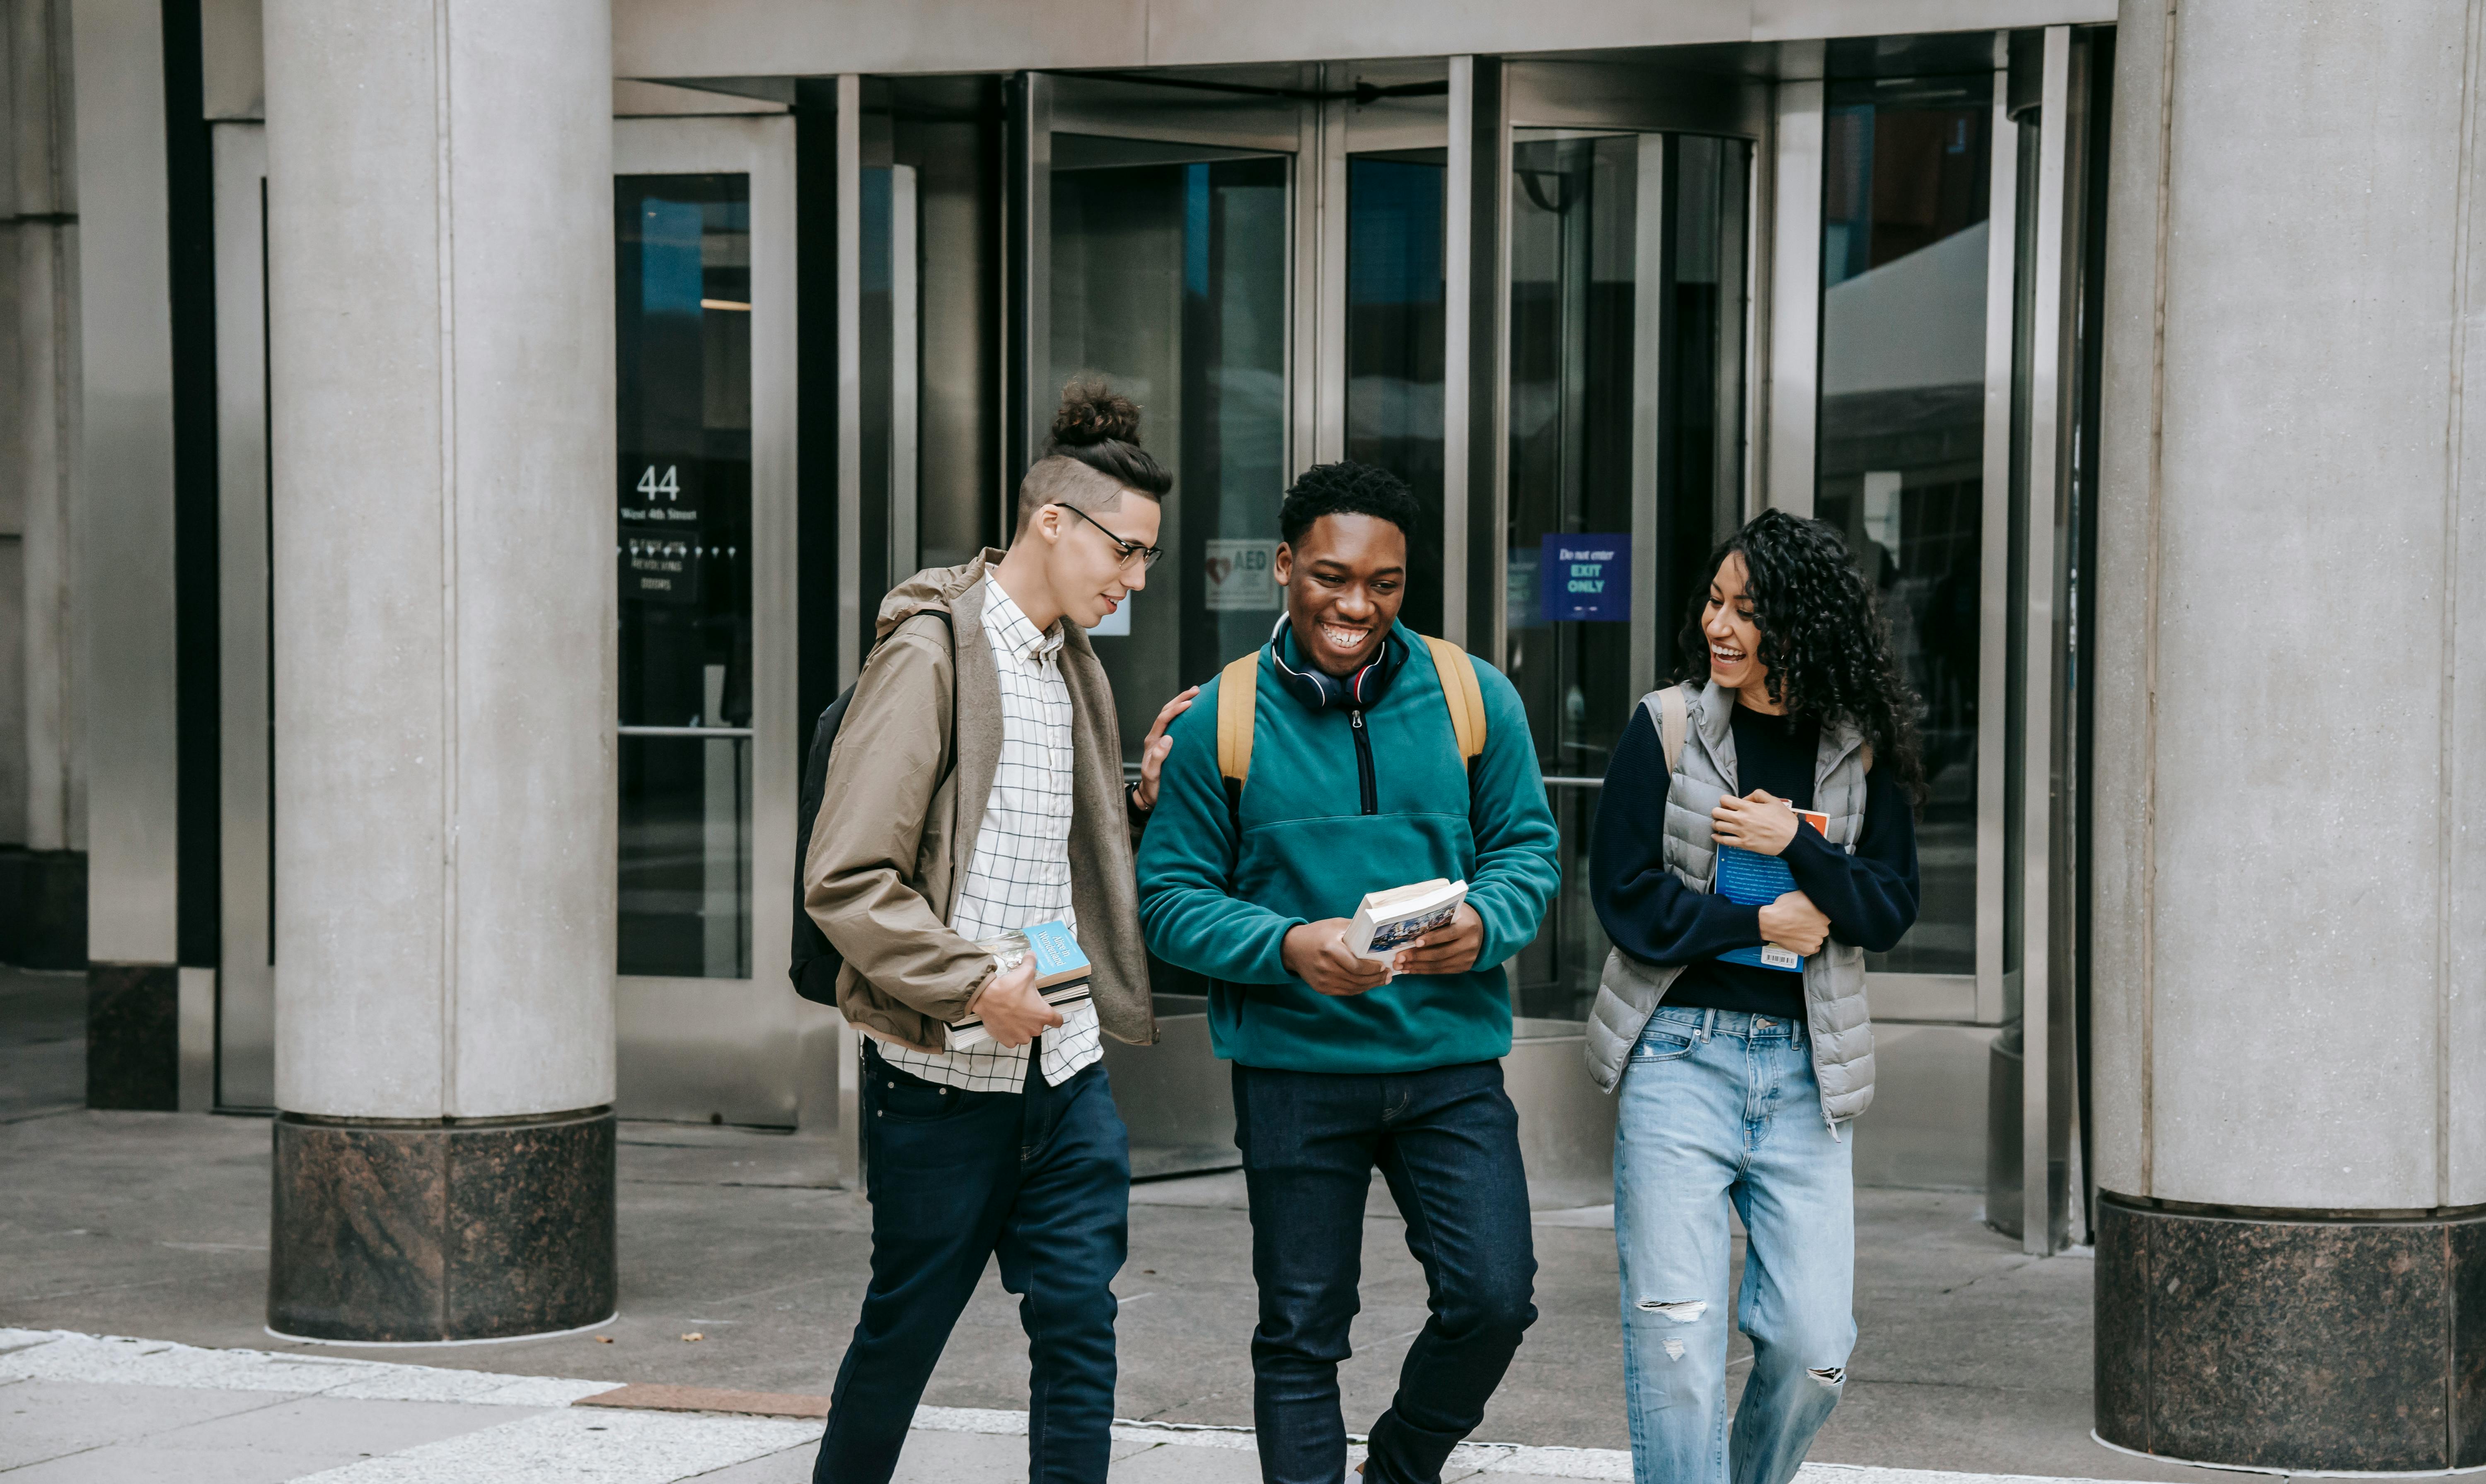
1132	551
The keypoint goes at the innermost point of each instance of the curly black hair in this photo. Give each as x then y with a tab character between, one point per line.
1347	488
1824	640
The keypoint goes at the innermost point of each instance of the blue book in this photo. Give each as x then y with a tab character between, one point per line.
1061	973
1751	879
1057	958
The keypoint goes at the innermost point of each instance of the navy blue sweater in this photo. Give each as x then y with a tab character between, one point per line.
1870	896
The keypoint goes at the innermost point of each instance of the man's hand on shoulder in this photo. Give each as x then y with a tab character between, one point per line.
1450	950
1155	747
1315	953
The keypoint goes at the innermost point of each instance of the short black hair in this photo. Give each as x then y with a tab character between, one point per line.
1347	488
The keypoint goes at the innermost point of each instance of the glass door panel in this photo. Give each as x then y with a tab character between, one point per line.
1906	217
704	547
1169	278
1394	322
682	278
1627	270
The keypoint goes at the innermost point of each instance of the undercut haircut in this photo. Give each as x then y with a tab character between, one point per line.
1092	456
1347	488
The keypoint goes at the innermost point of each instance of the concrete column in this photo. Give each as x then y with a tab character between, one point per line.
42	880
440	327
2290	1032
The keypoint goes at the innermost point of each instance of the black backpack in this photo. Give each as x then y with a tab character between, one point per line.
817	960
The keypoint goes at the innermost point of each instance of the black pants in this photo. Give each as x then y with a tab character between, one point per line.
1447	1142
1040	1177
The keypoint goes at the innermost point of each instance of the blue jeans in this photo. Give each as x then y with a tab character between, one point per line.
1041	1177
1721	1106
1447	1142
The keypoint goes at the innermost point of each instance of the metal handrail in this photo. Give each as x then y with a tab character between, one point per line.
719	732
1558	782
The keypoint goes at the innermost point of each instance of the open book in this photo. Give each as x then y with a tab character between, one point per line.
1390	920
1756	880
1061	973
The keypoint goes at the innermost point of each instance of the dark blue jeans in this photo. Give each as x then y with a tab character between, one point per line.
1042	1178
1447	1142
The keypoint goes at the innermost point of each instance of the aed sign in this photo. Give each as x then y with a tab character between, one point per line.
1584	579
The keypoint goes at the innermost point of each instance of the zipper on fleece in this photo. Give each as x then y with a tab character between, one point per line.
1363	762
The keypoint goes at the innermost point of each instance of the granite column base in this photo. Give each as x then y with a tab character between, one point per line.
42	908
133	1037
2292	1340
388	1232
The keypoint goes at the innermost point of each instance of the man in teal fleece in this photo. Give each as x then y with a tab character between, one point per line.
1355	784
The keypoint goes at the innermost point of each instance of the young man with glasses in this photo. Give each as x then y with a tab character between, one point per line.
1357	775
975	788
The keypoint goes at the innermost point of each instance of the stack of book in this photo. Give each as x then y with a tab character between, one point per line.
1061	973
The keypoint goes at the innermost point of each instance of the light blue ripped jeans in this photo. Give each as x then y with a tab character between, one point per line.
1721	1106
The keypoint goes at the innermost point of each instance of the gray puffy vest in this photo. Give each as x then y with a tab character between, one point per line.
1629	990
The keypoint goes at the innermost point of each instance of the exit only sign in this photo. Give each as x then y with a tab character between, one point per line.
1585	579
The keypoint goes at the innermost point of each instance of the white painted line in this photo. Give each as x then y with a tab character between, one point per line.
594	1445
118	1360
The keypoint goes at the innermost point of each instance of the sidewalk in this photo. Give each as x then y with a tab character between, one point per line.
87	1410
1972	1358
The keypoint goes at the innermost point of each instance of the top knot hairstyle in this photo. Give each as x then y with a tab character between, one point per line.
1347	488
1093	455
1823	637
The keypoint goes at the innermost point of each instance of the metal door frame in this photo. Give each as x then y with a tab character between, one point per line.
243	1076
747	1050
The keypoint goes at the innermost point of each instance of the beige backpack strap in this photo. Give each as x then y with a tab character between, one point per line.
1238	692
1462	694
1868	757
1674	718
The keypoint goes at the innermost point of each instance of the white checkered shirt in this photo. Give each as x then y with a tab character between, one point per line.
1020	871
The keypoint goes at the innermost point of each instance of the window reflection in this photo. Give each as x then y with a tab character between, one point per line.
1906	183
1393	344
1169	277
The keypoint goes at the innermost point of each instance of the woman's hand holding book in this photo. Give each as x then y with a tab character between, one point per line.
1794	922
1760	822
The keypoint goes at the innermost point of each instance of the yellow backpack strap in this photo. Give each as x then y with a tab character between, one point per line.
1238	691
1461	693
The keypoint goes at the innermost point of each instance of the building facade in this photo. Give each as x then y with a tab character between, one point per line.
462	448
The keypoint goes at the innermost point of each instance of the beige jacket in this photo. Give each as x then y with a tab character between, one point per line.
896	827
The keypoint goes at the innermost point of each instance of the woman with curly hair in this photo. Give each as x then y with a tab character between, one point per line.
1736	1031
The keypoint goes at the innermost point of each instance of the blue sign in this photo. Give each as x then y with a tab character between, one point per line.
1585	579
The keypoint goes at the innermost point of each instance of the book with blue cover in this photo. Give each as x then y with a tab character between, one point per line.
1062	972
1752	879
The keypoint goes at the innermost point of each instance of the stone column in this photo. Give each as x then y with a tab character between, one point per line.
440	337
42	862
2289	1070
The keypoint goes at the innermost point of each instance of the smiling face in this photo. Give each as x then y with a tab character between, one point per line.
1345	581
1735	638
1084	568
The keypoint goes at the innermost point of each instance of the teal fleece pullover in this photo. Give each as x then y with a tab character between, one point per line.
1221	907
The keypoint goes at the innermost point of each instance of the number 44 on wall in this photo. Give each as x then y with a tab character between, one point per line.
670	486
